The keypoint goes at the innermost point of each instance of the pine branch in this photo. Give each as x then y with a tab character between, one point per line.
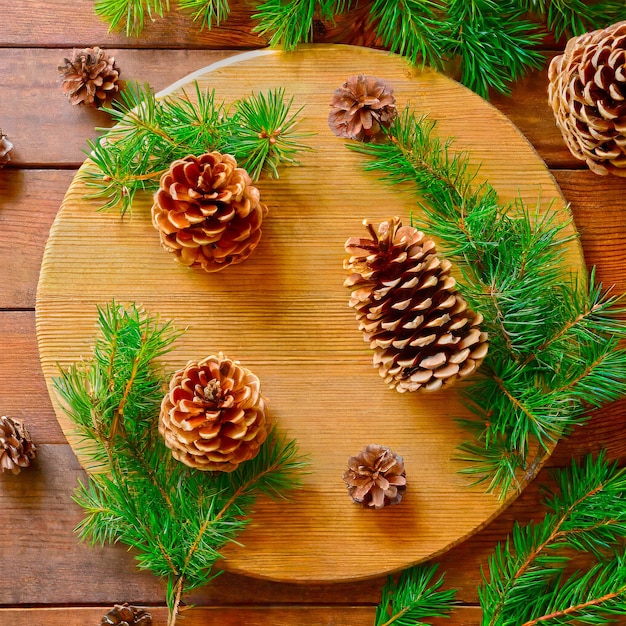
151	133
207	12
176	518
526	583
130	14
413	597
542	373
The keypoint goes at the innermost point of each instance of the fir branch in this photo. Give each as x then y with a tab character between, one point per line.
542	373
150	133
287	23
176	518
526	582
130	14
207	12
413	597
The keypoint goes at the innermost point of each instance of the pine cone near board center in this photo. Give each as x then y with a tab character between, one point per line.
421	330
587	92
375	477
361	108
90	76
207	211
213	417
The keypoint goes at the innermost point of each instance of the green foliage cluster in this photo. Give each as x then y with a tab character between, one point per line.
176	518
529	579
554	350
493	41
150	133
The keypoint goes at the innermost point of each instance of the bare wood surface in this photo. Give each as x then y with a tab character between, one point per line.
41	562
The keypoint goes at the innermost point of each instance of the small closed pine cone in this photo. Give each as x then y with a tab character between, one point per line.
207	211
421	330
361	108
5	148
125	615
375	477
89	76
213	417
587	92
16	448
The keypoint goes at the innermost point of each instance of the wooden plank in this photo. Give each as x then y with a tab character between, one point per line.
44	127
56	133
57	23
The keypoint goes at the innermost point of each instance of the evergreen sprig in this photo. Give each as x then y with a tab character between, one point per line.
413	597
543	372
493	42
176	518
150	133
529	580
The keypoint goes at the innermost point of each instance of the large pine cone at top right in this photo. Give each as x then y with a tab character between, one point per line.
587	92
421	330
208	212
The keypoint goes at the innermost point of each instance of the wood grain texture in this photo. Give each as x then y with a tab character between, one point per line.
284	315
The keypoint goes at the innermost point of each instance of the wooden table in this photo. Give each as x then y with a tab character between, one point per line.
46	576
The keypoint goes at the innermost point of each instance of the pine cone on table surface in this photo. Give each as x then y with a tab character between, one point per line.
16	447
213	417
587	92
207	211
362	107
422	332
125	615
5	148
90	76
375	477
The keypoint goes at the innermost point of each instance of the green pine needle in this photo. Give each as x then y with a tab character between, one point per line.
207	12
130	15
413	597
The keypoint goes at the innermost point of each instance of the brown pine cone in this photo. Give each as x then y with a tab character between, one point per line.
89	77
213	417
587	92
421	330
361	108
16	448
5	148
125	615
207	211
375	477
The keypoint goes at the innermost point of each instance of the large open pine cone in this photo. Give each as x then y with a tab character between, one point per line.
16	448
5	148
213	417
375	477
207	211
361	108
421	330
587	92
125	615
89	77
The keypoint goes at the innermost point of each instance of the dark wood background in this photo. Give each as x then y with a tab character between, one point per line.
47	578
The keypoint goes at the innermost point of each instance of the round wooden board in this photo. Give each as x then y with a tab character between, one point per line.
283	313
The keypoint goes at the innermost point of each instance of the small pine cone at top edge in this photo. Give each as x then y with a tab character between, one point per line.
213	417
125	615
16	447
5	149
587	93
90	76
423	334
207	212
375	477
361	108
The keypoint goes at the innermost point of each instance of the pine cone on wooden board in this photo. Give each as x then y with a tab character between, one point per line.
422	332
16	447
125	615
213	417
207	212
5	149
